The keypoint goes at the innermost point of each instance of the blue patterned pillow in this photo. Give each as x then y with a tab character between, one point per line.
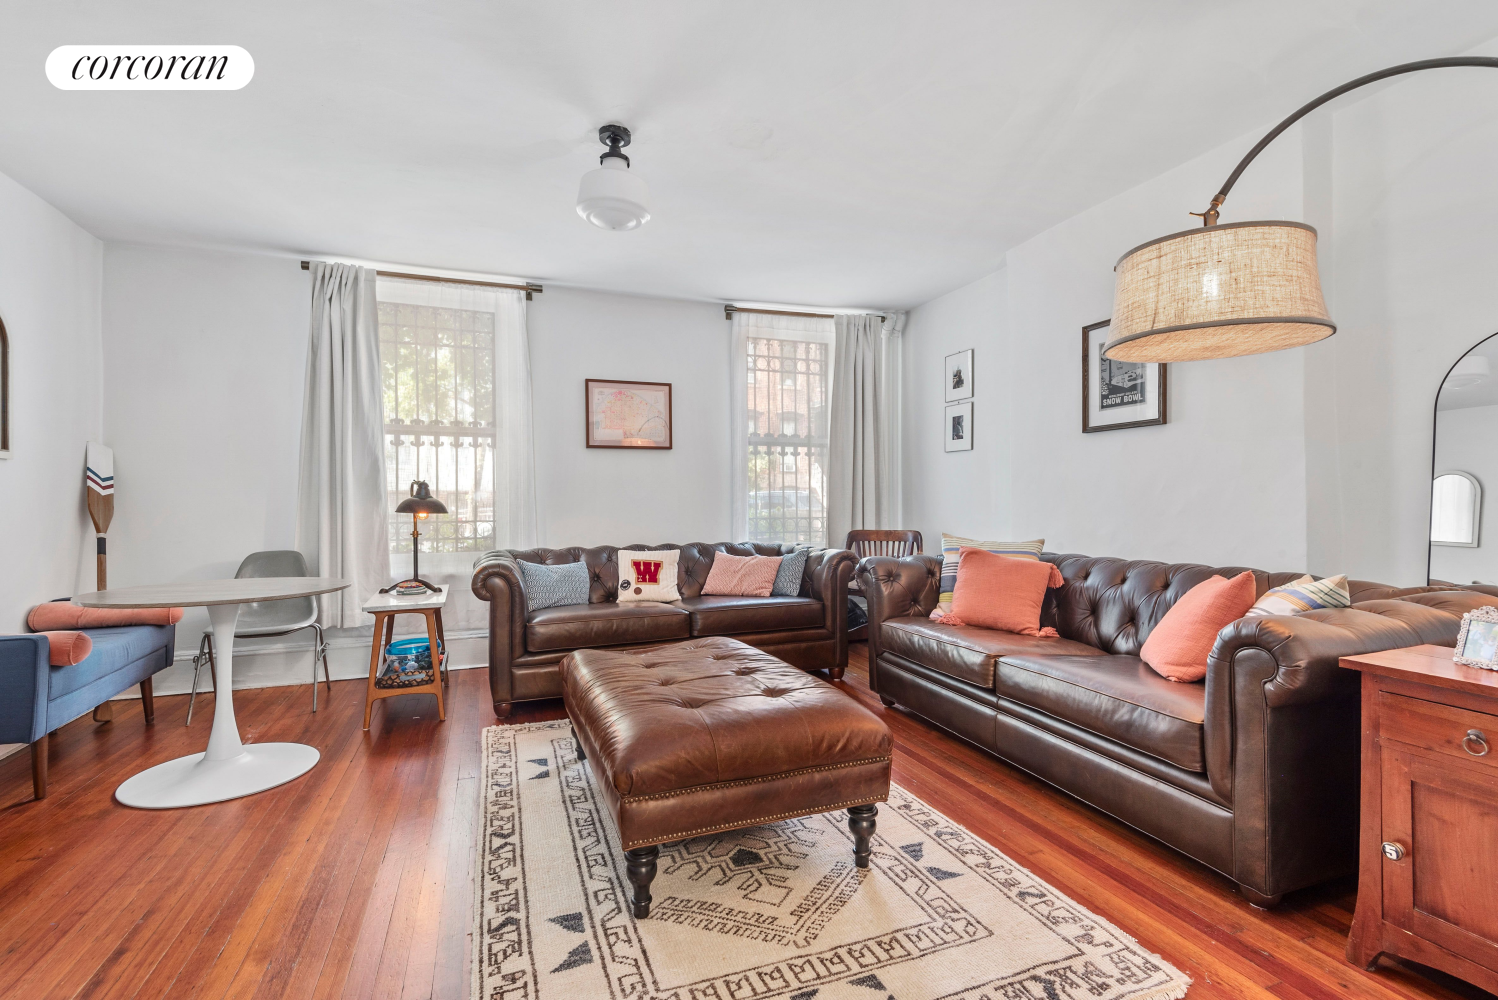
788	577
551	586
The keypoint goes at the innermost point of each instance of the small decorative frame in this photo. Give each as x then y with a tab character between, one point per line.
1477	642
959	426
959	377
1118	394
628	414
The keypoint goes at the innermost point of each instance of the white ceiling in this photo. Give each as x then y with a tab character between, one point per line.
836	152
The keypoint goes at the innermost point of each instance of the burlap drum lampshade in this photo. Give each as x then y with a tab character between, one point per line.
1218	292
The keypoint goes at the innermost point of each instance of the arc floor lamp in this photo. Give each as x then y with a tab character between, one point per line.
1224	291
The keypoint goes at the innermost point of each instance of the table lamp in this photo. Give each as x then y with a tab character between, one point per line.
419	504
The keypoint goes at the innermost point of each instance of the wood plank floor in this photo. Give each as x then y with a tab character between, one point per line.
356	879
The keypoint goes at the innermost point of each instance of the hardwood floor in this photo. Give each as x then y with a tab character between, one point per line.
356	879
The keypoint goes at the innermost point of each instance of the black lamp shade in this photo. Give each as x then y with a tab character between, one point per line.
421	501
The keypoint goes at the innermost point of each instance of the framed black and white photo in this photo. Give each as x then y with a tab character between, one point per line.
959	383
959	426
1118	394
1477	642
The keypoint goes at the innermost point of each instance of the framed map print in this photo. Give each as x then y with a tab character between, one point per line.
1118	394
628	414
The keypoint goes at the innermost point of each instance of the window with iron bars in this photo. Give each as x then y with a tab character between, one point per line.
438	369
788	413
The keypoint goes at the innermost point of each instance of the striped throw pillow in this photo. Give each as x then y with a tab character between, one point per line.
951	548
1304	594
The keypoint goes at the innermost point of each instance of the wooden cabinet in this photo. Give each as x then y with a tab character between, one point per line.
1428	870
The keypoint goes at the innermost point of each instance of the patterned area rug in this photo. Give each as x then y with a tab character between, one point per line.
771	911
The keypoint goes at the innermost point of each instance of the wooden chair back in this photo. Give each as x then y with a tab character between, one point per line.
896	542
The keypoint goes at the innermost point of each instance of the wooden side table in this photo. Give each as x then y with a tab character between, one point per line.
1428	868
385	607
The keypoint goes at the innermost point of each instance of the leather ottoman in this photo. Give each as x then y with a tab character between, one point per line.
707	735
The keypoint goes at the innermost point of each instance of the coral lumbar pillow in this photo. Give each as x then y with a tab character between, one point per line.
1304	594
56	615
1001	592
1178	646
648	575
742	576
951	553
65	649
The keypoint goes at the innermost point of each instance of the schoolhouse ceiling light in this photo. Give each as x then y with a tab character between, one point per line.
611	196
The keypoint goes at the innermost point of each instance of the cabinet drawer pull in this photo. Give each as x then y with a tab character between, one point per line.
1475	743
1393	851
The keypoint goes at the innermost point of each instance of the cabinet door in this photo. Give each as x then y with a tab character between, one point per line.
1444	816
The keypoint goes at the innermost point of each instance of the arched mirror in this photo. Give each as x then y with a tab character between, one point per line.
1465	461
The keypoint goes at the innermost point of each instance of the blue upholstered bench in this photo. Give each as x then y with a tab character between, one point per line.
36	698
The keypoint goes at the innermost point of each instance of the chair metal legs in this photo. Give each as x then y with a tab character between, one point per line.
205	656
319	651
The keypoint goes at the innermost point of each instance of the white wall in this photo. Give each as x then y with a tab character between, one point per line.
600	496
1222	482
205	354
1465	443
1413	261
49	302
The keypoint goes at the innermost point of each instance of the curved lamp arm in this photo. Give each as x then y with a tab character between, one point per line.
1209	217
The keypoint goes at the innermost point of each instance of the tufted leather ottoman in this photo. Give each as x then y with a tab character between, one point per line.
709	735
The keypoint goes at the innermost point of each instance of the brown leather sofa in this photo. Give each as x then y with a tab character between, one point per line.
526	648
1253	771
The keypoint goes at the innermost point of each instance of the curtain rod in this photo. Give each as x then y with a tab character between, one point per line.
528	288
728	312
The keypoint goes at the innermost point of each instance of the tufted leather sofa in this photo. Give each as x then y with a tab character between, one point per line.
526	648
1253	771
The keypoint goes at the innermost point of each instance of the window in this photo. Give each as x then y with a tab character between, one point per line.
1455	506
789	389
438	367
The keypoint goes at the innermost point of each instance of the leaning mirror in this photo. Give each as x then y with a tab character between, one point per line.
1465	458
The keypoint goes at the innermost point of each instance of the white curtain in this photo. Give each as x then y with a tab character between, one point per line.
857	461
747	325
513	469
341	529
891	418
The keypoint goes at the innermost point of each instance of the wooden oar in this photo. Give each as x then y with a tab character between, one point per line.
99	475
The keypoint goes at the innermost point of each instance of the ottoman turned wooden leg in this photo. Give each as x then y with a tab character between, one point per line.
861	822
640	865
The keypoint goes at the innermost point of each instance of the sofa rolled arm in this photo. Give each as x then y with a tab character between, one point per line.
24	675
497	579
1282	730
897	588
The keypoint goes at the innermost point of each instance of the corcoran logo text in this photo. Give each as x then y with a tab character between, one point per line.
149	67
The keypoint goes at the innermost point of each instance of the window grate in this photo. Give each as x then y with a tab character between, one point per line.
438	370
788	413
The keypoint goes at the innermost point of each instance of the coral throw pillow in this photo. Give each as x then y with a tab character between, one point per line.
648	575
741	576
1178	647
64	649
1001	592
56	615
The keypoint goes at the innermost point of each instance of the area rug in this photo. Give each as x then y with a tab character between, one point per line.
770	911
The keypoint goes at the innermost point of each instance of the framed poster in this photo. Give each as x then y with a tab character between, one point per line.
1118	394
628	414
959	427
959	382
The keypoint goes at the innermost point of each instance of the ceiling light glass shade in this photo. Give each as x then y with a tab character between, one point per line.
1469	371
1218	292
613	198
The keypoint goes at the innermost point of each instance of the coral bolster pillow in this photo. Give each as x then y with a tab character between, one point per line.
741	576
64	649
56	615
1002	592
1178	647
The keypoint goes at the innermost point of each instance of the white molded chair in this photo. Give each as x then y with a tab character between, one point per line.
269	618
